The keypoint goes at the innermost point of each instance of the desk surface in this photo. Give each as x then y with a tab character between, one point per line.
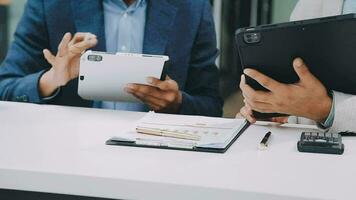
61	150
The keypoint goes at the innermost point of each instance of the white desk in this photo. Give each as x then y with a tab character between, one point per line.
61	150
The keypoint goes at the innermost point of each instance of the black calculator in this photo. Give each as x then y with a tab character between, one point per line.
317	142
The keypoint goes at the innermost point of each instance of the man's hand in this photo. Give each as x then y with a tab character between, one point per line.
65	65
308	98
160	96
246	112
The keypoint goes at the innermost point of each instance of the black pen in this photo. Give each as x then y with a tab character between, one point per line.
264	142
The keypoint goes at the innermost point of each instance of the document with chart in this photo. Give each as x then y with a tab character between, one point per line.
182	132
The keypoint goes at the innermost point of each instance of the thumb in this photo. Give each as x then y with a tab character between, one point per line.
301	69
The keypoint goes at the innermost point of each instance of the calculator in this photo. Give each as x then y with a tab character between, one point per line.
317	142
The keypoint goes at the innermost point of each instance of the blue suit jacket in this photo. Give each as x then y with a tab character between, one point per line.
181	29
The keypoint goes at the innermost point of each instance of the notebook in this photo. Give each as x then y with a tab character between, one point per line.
214	134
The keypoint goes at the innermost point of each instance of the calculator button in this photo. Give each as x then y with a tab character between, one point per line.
309	138
336	140
321	140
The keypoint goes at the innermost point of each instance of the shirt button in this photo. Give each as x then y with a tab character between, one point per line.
125	15
123	48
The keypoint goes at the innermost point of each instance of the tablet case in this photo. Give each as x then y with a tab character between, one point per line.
126	142
327	46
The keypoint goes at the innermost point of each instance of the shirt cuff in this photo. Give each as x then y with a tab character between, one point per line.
327	124
54	95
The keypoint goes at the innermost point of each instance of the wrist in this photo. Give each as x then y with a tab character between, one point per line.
48	83
324	110
178	102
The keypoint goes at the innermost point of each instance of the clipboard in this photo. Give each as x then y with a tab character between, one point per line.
157	144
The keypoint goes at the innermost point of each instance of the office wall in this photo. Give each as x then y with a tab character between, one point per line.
15	13
3	31
282	10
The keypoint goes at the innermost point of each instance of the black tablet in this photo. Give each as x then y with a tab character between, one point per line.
327	46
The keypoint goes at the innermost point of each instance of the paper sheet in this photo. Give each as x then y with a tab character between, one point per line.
213	132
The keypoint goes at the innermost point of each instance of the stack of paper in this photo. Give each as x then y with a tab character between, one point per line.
211	132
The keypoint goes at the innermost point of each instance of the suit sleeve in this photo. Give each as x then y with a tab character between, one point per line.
201	95
345	113
24	65
343	116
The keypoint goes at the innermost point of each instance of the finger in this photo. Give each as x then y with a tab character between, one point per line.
252	94
260	106
82	43
239	116
247	114
302	70
79	48
242	81
262	79
152	107
152	92
158	104
281	120
144	89
153	81
80	36
49	56
152	95
167	85
151	103
63	45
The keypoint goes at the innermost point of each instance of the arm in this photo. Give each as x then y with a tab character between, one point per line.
307	98
24	65
201	95
341	115
25	75
332	113
345	107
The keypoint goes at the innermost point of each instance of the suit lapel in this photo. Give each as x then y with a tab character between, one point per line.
89	17
332	7
159	24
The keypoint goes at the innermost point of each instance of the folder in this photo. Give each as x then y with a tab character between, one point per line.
213	135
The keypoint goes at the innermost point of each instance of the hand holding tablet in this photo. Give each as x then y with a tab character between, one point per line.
273	85
65	64
118	77
160	96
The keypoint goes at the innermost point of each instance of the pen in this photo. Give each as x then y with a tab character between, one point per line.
167	133
264	142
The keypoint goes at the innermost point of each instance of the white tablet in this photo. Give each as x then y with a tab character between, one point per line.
103	76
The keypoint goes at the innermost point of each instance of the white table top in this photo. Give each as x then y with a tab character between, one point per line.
62	150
